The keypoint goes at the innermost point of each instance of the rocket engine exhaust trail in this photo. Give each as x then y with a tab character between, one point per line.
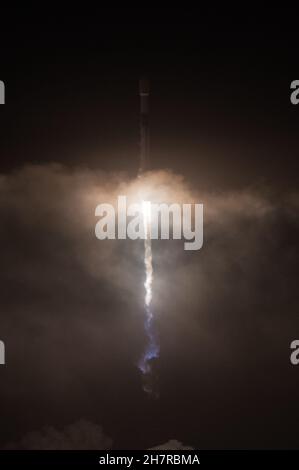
152	349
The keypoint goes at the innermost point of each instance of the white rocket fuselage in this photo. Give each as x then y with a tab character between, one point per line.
144	125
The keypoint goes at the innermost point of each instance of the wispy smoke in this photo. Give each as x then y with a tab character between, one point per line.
81	435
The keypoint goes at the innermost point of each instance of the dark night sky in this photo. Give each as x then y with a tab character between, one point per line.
220	116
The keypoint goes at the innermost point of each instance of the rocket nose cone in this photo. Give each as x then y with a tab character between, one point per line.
144	86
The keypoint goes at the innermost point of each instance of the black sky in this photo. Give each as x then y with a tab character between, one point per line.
220	84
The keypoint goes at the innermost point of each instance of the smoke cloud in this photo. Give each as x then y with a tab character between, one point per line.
72	306
172	445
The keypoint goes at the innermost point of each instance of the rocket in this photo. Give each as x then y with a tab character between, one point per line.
144	89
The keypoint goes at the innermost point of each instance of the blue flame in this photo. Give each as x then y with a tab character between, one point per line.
152	349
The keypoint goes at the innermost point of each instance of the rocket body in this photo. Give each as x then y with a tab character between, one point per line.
144	125
151	353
